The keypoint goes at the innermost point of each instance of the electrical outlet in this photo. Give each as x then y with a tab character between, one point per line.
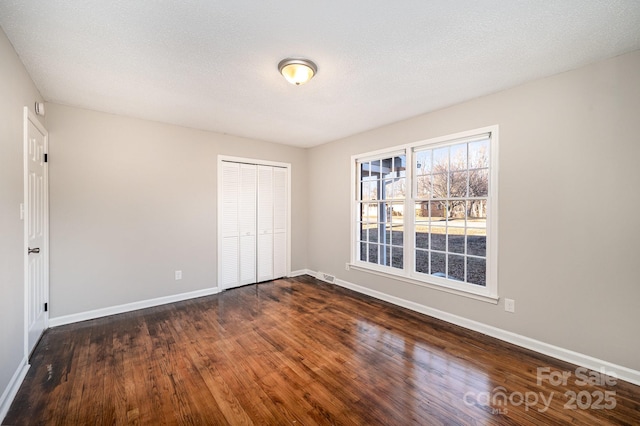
347	267
509	305
178	275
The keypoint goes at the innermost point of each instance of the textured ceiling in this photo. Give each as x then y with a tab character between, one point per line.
213	64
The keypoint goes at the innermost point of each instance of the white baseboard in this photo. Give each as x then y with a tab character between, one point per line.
301	272
12	388
128	307
582	360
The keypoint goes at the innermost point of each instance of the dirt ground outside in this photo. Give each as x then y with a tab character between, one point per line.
431	248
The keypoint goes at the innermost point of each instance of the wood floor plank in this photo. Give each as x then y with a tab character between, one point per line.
299	352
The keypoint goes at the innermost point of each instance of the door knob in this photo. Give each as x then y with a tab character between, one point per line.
33	250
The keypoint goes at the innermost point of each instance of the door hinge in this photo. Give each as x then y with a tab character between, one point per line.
46	158
46	307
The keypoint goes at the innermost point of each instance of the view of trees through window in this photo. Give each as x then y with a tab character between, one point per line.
448	189
452	186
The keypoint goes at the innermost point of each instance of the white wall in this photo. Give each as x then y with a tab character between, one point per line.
133	200
568	208
16	91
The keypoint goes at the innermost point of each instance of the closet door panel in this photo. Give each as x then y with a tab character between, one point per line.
279	254
265	223
247	200
265	257
229	232
280	220
247	259
279	199
265	199
230	262
247	205
230	194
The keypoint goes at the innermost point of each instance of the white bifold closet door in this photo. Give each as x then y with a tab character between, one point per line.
280	220
254	223
247	224
229	231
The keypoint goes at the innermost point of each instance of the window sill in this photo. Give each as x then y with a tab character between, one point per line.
400	277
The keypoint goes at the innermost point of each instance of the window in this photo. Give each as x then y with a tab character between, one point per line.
426	212
381	221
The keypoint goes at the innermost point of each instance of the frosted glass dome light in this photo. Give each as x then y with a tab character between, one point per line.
297	71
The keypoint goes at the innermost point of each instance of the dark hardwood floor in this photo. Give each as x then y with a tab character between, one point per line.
298	351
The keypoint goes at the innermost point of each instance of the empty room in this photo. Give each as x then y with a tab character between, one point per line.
356	213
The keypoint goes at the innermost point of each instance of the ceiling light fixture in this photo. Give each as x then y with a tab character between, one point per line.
297	71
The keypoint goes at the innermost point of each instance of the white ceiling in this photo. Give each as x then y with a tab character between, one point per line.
213	64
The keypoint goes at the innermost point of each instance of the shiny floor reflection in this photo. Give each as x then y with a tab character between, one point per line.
297	351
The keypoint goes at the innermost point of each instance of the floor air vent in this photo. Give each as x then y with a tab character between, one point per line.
326	277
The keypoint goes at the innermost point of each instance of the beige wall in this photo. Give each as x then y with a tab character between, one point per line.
569	145
132	201
16	91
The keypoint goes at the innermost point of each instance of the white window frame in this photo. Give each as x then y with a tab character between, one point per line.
487	293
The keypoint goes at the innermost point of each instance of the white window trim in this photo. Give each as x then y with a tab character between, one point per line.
488	293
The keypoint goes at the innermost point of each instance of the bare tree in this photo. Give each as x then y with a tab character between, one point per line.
460	173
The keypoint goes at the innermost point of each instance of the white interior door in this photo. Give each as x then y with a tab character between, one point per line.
36	228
